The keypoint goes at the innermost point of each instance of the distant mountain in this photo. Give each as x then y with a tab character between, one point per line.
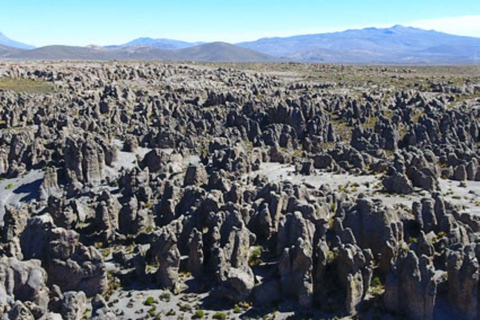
212	52
5	41
167	44
395	45
372	45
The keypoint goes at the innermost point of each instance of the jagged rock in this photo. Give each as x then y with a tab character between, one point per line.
397	183
236	285
155	160
324	161
307	168
355	272
233	273
295	268
164	251
261	223
106	215
294	239
195	257
84	160
14	222
424	178
463	279
317	245
460	173
195	175
49	184
73	305
410	289
377	228
24	281
130	144
19	312
100	309
69	264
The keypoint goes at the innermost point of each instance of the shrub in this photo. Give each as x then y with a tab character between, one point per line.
254	259
220	316
376	282
149	301
199	314
185	307
237	309
412	240
165	296
153	311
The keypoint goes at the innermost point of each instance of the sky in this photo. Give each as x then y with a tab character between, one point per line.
104	22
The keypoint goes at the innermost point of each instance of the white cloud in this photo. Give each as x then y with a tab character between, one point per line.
465	26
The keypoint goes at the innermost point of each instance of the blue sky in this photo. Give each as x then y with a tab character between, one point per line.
102	22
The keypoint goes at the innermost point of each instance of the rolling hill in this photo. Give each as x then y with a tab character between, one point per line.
8	51
212	52
222	52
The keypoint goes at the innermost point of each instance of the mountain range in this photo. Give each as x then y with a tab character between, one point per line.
5	41
210	52
395	45
166	44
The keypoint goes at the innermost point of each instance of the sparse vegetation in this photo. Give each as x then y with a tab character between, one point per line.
166	296
219	316
26	85
255	257
199	314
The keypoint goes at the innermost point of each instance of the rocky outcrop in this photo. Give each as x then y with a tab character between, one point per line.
23	281
166	172
410	289
74	304
294	239
463	279
164	252
100	309
85	160
68	263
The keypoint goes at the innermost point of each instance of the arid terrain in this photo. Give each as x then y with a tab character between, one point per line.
154	190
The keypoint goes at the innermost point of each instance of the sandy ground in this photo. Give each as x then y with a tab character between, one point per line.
467	196
19	190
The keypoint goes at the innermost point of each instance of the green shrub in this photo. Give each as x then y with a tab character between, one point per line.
412	240
376	282
185	307
220	316
237	309
153	311
149	301
199	314
165	296
254	259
